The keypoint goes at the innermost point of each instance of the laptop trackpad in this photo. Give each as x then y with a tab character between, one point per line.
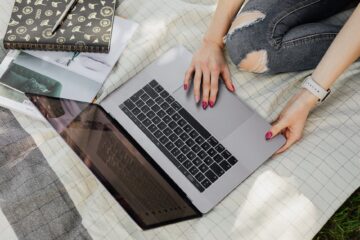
228	114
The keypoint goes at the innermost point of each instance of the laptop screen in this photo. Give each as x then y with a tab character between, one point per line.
149	196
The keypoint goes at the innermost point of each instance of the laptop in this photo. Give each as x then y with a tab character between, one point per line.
163	157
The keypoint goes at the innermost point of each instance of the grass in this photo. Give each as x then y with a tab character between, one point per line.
345	223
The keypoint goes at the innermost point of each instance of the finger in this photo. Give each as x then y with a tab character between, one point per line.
279	126
197	83
289	142
214	87
205	89
227	79
188	75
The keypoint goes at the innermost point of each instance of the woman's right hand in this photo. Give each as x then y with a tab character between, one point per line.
207	65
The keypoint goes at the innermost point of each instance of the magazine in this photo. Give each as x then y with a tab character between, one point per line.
75	76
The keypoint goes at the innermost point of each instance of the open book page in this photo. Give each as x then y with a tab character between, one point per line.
61	74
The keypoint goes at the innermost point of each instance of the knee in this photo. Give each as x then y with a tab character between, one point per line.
242	40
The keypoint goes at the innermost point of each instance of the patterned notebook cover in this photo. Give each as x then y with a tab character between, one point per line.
88	27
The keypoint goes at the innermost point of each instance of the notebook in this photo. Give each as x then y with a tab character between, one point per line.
88	27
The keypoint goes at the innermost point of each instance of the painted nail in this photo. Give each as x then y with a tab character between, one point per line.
211	104
268	135
204	105
197	99
185	87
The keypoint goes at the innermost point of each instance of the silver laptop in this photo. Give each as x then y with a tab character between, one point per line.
229	140
161	156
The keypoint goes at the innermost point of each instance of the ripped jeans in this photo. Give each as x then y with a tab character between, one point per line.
273	36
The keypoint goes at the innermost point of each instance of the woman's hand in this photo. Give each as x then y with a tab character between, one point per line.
292	119
208	64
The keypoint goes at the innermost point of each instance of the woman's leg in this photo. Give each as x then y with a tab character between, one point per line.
282	35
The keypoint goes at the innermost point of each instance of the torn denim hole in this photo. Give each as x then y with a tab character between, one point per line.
246	19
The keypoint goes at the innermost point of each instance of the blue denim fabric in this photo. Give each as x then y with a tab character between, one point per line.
292	32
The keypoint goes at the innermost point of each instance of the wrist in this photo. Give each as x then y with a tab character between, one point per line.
309	99
211	41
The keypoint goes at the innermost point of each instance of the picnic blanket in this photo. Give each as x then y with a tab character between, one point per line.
46	192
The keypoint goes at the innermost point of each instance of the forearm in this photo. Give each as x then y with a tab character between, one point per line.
222	19
342	53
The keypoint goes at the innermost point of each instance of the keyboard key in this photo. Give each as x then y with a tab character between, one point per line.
191	179
170	111
181	158
169	146
202	154
232	160
150	91
193	134
206	146
217	169
211	152
194	123
182	122
199	140
203	168
226	154
162	126
161	113
213	142
150	114
172	125
158	134
130	105
146	122
165	106
218	158
187	128
200	177
152	128
206	183
190	142
187	164
163	140
175	152
173	137
197	162
169	99
145	97
179	143
196	148
140	103
137	95
191	155
156	120
178	131
155	108
176	117
185	149
193	170
184	136
219	148
153	83
167	119
208	161
136	111
158	89
145	109
167	131
150	102
164	94
176	106
159	100
225	165
141	117
211	176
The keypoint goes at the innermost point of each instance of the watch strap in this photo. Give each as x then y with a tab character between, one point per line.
315	88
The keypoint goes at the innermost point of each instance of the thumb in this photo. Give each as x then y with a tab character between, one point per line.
276	129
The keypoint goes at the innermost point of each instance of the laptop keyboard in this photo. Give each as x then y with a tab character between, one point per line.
187	144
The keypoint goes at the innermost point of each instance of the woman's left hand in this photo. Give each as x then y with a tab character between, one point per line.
292	119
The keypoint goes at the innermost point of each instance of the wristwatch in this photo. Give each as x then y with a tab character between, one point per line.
315	89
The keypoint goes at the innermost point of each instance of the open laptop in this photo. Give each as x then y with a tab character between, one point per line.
160	155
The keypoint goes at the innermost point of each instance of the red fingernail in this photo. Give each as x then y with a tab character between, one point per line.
204	105
233	87
268	135
185	87
211	103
